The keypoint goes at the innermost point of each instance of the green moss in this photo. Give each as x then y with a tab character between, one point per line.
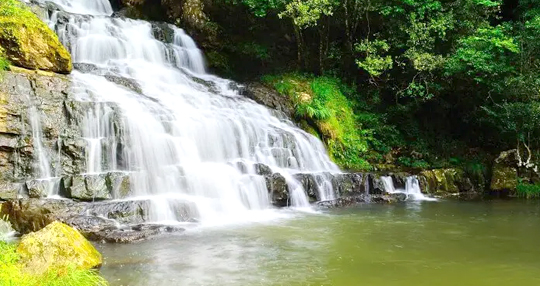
321	104
13	273
27	42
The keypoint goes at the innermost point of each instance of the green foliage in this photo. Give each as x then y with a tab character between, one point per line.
12	273
4	63
306	13
321	102
484	56
528	190
373	62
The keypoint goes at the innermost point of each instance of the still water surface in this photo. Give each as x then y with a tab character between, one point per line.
418	243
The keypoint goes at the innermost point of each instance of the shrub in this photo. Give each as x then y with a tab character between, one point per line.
528	190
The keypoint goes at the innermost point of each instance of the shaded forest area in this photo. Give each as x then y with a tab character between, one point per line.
426	83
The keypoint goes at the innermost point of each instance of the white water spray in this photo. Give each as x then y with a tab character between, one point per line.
412	188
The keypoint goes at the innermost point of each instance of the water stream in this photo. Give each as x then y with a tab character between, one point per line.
181	134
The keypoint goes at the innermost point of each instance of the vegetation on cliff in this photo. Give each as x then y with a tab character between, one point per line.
27	42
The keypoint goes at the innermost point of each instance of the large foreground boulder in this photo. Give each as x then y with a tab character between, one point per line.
57	246
27	42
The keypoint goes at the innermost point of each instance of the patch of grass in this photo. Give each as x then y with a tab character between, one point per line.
15	9
4	63
528	190
12	273
320	102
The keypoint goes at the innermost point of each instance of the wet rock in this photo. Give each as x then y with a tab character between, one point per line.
123	212
57	246
262	169
85	67
279	190
89	187
132	233
128	83
40	188
119	184
309	184
389	198
350	184
163	32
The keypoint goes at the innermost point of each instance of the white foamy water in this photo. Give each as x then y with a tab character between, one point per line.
412	188
183	135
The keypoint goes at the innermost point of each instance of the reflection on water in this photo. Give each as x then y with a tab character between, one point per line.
418	243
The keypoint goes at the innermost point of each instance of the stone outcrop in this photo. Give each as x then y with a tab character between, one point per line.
57	246
269	98
110	221
27	42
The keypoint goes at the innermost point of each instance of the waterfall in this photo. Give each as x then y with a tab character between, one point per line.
412	188
181	134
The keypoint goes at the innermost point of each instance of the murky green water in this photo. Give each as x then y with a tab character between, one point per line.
428	243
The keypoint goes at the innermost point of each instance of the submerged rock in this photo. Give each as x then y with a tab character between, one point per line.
57	246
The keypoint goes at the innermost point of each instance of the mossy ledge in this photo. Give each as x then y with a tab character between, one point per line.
27	42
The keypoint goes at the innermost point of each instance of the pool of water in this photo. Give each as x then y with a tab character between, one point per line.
417	243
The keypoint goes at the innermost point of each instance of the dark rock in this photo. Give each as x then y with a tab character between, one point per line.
128	83
279	190
85	68
269	98
389	198
131	233
262	169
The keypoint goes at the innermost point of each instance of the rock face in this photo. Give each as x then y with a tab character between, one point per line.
28	97
57	246
270	98
27	42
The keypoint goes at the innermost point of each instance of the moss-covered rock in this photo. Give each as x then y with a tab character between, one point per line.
57	246
446	181
504	178
27	42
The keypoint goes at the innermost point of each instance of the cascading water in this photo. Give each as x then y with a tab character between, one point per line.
180	134
412	188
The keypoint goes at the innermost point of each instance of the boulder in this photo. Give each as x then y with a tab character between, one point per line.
504	178
57	246
444	181
279	189
28	42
